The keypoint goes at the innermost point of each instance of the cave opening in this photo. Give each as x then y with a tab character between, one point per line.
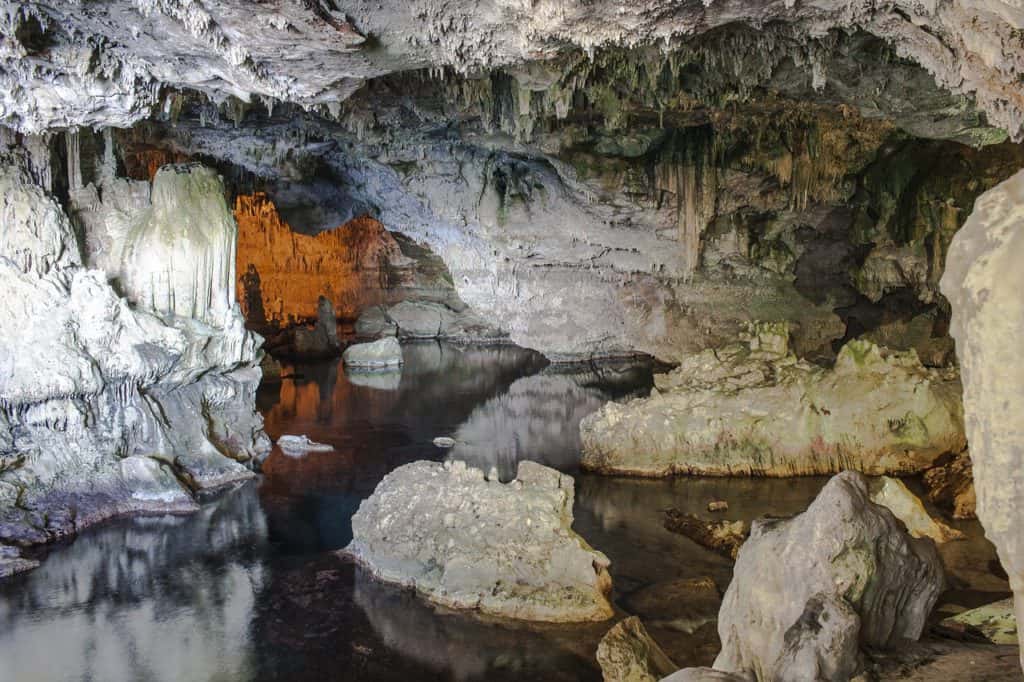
486	340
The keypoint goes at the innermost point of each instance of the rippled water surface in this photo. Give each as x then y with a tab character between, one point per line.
249	588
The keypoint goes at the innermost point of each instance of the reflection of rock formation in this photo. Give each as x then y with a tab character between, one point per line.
536	419
88	379
467	648
349	264
115	599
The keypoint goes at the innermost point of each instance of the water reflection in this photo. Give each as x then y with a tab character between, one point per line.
249	588
160	598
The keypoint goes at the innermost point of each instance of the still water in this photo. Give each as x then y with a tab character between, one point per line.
249	588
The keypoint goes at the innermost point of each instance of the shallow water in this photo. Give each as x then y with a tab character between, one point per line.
249	587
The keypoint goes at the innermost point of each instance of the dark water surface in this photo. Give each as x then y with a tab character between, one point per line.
249	587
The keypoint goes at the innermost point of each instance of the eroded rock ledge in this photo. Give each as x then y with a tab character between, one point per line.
754	408
466	542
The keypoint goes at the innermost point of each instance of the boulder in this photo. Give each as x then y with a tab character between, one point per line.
416	319
297	446
628	654
755	409
893	494
847	561
951	485
466	542
379	354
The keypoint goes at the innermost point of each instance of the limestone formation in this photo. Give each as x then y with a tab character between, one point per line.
983	281
892	494
412	319
466	542
754	408
806	590
951	485
297	446
282	273
382	354
322	339
628	654
105	405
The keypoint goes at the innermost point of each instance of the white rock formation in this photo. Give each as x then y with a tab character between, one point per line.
102	400
465	542
381	354
74	65
984	281
297	446
806	591
755	409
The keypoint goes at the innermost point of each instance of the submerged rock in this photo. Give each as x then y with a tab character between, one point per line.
755	409
807	589
724	537
995	622
951	485
628	654
892	494
465	542
297	446
379	354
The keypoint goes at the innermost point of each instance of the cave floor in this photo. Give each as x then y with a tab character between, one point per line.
250	588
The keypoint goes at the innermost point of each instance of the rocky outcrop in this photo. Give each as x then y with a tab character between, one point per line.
983	281
754	408
320	340
470	543
951	485
724	537
628	654
427	320
106	401
383	354
807	591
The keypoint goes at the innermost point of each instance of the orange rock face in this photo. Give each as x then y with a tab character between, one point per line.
282	273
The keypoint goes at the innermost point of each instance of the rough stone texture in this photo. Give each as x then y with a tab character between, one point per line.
379	354
100	397
995	622
951	485
297	446
704	675
983	281
282	273
322	339
754	408
105	62
892	494
427	320
844	556
628	654
724	537
470	543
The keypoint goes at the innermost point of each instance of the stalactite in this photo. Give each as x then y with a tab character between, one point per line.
73	145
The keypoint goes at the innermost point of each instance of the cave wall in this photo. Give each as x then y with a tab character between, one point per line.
125	389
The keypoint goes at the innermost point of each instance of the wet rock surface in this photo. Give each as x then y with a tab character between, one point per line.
951	486
466	542
724	537
754	408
